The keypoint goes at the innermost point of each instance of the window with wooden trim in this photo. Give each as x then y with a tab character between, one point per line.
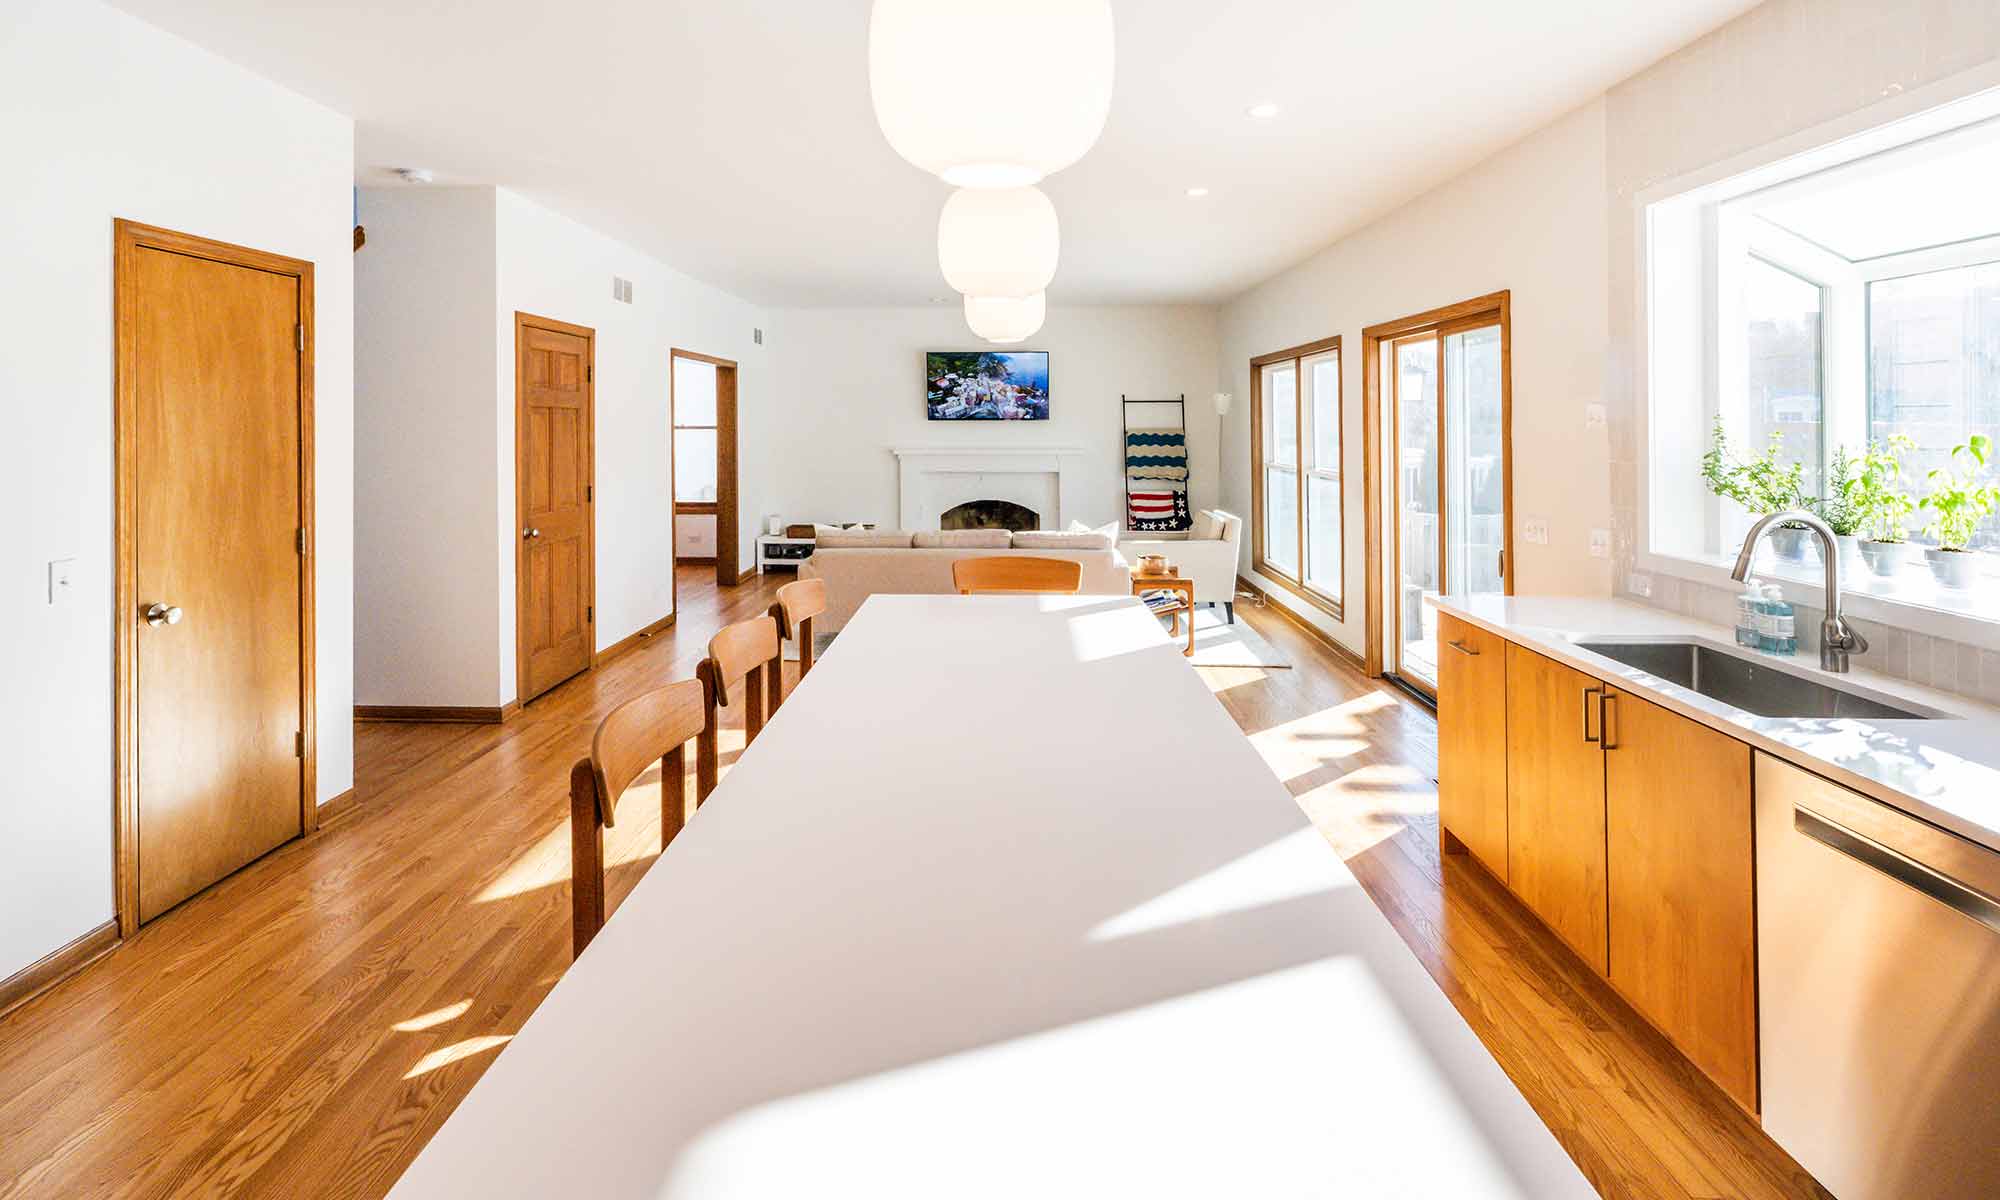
1295	445
694	435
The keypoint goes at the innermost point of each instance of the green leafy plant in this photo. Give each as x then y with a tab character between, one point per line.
1759	484
1875	494
1957	504
1839	513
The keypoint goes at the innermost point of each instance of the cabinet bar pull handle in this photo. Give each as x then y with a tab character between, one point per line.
1587	694
1604	711
1462	648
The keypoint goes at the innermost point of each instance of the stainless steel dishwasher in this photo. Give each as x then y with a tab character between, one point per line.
1878	993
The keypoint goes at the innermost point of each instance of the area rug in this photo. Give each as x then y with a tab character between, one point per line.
1220	644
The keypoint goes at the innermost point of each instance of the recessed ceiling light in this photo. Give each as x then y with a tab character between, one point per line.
1197	192
1264	112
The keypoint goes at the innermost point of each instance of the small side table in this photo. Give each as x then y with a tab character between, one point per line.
1141	584
781	551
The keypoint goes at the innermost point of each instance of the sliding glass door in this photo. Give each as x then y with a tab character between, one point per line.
1448	412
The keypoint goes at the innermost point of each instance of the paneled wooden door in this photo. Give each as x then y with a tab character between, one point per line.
214	635
555	572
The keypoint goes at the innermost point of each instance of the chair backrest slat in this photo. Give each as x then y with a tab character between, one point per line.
798	603
1017	573
647	728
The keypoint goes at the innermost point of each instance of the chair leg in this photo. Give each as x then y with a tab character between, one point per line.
1229	606
586	857
805	634
673	794
753	708
704	761
775	669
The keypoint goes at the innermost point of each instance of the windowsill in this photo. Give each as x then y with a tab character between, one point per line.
1910	600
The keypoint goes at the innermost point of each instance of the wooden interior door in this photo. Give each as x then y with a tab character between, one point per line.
1555	800
555	573
1679	829
728	558
215	592
1472	740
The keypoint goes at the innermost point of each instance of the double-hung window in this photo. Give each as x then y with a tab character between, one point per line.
1296	444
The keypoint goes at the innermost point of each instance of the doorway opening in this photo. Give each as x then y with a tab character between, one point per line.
702	416
1438	409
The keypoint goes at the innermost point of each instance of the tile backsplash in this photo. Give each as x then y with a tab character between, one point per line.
1931	661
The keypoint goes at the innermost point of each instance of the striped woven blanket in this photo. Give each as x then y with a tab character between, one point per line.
1156	476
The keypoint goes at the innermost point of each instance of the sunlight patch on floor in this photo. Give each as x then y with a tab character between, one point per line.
444	1056
1370	804
433	1018
1298	864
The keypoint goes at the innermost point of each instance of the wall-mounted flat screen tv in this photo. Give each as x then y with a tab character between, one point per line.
987	385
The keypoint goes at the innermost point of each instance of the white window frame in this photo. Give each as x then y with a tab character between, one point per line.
1717	206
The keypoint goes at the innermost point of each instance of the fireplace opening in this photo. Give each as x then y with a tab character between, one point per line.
991	514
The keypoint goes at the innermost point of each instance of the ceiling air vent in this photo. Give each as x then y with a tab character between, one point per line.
757	336
621	290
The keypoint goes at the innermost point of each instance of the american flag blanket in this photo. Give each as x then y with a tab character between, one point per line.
1156	480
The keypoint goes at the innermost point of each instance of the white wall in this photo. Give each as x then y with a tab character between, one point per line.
552	266
109	117
425	449
1530	220
850	385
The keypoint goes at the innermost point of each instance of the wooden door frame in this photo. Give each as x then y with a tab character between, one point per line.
1498	305
1259	560
1395	514
524	321
728	556
129	238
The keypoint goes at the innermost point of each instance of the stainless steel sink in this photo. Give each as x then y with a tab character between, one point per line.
1742	681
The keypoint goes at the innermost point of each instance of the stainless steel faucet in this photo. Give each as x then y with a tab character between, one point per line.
1837	639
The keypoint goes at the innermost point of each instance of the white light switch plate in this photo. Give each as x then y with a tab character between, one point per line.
1536	531
1600	543
1593	416
62	573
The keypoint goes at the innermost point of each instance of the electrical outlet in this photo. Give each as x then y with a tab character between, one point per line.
1536	531
1639	583
1600	543
1593	416
62	576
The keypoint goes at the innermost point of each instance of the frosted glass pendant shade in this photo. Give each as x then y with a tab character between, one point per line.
1006	319
991	93
998	243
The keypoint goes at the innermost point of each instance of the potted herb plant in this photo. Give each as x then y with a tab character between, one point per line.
1838	511
1957	504
1762	485
1874	494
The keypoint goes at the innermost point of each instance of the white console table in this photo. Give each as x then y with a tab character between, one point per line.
770	552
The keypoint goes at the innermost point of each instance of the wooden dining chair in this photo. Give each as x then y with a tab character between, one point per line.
798	603
1016	573
648	728
743	667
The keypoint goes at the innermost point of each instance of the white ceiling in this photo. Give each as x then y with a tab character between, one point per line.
734	138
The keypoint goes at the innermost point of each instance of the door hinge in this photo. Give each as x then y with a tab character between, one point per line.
299	745
589	493
300	541
589	372
299	336
589	614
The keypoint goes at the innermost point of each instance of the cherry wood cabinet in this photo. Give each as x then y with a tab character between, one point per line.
1555	800
1678	845
1472	742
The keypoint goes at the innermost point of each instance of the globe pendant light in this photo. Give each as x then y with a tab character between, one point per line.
1006	319
998	243
1036	107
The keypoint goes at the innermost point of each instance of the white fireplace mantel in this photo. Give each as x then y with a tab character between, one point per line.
931	479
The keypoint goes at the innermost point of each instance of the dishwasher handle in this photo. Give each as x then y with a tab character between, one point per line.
1952	893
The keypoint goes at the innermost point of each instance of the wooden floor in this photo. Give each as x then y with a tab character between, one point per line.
301	1029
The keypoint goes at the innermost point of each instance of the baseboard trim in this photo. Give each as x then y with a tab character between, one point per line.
633	640
695	562
746	577
436	714
57	965
338	807
1273	604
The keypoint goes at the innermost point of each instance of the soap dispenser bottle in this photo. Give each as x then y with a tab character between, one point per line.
1749	607
1784	628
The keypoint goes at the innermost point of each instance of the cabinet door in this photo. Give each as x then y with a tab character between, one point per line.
1679	854
1555	799
1472	740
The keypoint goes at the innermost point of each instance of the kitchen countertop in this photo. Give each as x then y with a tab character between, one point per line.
1943	770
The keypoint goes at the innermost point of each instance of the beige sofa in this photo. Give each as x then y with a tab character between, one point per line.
856	567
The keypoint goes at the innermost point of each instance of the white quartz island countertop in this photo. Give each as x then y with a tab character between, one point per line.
1945	770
